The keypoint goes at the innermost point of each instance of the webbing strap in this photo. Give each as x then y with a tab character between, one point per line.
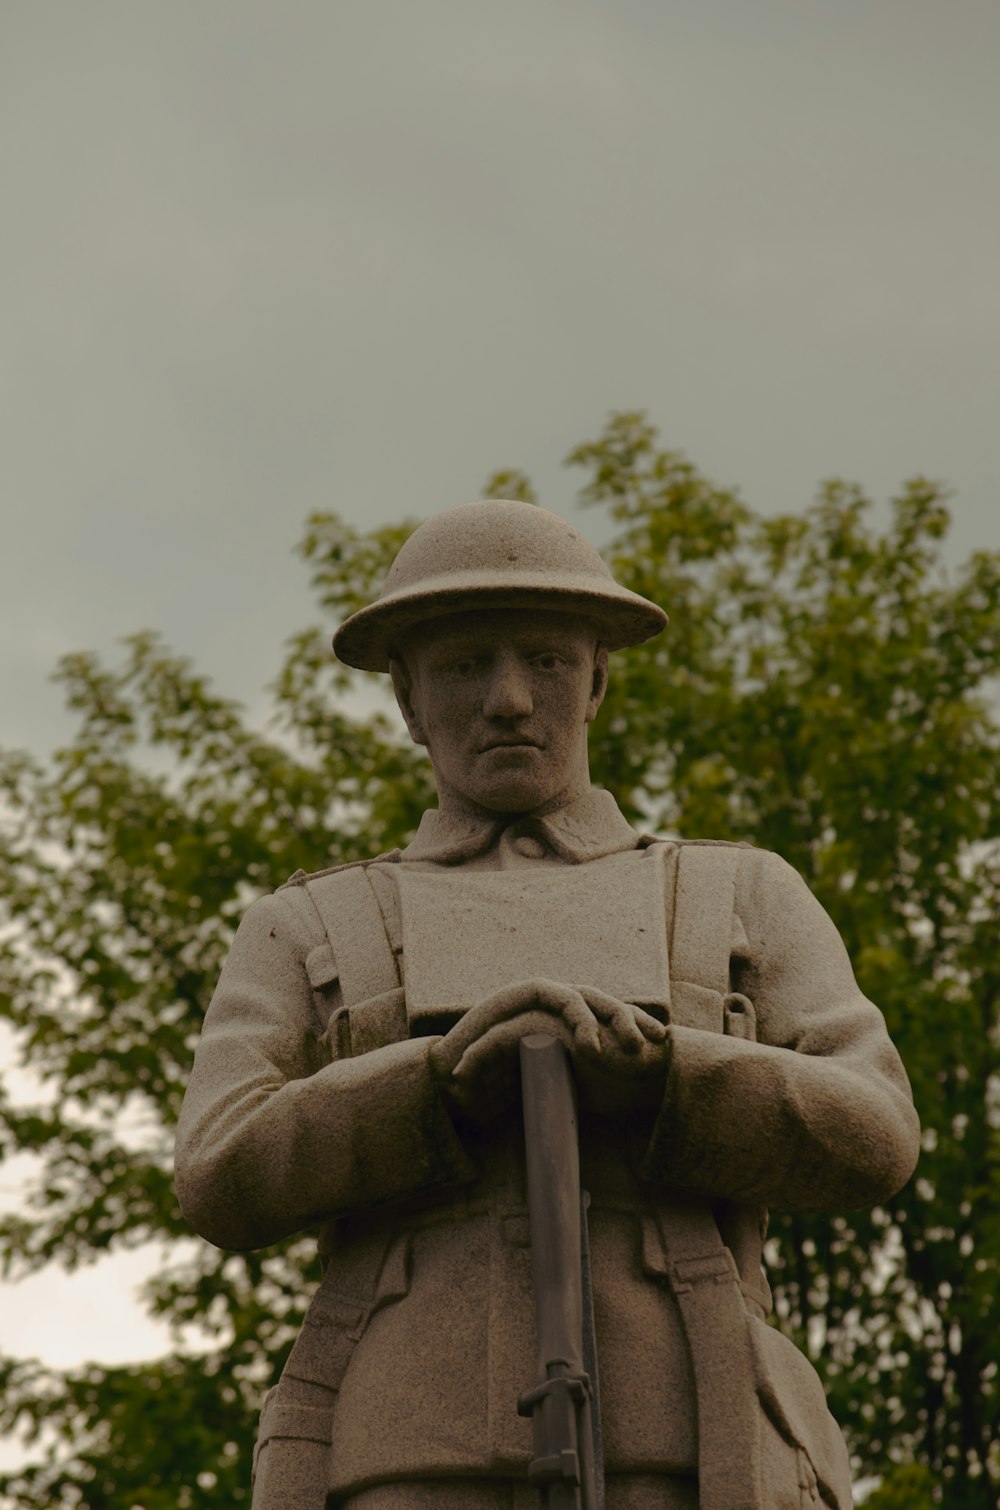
352	919
706	1284
703	915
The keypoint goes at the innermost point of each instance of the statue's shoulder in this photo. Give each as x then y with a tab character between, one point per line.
348	925
751	862
714	843
307	877
761	877
645	840
710	862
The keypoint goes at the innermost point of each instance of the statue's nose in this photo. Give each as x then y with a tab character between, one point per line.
508	694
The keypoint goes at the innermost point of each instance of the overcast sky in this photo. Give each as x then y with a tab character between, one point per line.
262	259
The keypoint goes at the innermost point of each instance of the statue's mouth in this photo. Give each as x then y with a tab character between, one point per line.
514	743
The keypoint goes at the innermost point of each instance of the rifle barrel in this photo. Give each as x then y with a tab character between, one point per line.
553	1163
560	1402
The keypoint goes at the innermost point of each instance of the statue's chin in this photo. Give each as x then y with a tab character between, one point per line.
523	797
517	779
509	799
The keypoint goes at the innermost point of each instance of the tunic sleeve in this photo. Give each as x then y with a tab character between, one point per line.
817	1114
272	1138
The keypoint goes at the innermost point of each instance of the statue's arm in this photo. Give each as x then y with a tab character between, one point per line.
818	1112
271	1137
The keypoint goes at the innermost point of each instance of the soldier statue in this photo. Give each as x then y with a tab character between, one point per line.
359	1074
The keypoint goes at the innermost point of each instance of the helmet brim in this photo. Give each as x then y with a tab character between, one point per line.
368	639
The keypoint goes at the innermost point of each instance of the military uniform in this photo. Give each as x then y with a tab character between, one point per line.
313	1103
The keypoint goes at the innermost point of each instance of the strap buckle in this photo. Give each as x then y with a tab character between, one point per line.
718	1268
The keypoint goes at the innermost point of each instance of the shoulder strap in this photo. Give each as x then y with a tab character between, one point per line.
298	877
703	915
347	920
355	928
701	936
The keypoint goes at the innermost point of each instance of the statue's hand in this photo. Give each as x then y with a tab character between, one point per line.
618	1050
628	1072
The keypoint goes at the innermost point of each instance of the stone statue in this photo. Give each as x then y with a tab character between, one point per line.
358	1074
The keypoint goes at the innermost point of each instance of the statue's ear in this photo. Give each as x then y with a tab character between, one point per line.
600	683
402	685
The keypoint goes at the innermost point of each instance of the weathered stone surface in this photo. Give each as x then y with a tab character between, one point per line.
488	555
358	1071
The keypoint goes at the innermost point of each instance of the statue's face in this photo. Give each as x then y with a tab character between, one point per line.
502	701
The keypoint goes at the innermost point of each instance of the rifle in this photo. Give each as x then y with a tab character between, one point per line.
563	1403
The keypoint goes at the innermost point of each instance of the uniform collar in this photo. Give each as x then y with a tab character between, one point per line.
582	830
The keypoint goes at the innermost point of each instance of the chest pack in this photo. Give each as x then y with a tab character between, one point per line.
396	952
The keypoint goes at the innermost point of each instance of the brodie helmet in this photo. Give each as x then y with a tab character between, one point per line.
497	553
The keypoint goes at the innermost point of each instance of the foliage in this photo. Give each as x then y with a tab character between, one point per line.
823	690
907	1487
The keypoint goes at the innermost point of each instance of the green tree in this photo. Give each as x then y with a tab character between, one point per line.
907	1487
823	690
